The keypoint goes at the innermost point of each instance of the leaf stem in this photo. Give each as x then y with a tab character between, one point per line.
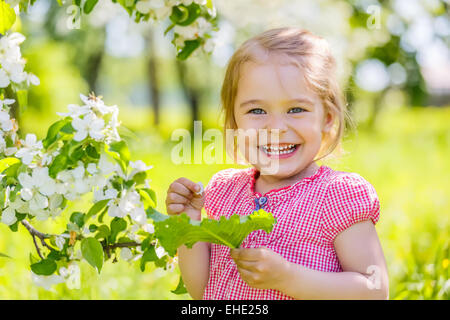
225	242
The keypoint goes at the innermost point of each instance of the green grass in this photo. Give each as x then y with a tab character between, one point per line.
405	158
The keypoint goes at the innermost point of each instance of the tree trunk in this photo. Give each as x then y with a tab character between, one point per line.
153	78
94	63
191	94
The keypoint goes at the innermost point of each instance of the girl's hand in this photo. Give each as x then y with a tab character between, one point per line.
260	268
184	195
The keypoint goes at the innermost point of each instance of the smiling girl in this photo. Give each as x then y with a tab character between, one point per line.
324	244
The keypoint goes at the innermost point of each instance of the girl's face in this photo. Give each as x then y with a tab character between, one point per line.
275	96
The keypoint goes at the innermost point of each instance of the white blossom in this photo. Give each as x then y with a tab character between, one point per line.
46	282
108	194
126	254
129	203
148	227
144	6
71	275
60	241
6	102
6	123
75	111
160	252
12	63
138	166
89	125
106	167
30	148
9	216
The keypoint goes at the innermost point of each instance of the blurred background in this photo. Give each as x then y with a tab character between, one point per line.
394	66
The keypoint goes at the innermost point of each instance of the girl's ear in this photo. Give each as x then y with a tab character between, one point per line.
328	121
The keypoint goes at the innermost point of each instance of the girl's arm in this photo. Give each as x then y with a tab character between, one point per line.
194	267
360	254
364	273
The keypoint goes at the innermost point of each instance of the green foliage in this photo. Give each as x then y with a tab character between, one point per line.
176	230
117	225
2	255
44	267
89	6
93	252
185	15
7	17
8	162
149	255
180	289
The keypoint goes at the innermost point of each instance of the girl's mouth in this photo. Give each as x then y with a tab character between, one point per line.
279	151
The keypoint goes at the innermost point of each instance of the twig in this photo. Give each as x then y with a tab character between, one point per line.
37	247
121	245
35	233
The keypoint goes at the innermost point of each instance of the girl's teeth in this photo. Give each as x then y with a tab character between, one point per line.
279	150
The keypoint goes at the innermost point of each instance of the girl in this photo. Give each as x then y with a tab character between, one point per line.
324	244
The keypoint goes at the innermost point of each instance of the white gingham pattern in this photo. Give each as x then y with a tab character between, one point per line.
310	214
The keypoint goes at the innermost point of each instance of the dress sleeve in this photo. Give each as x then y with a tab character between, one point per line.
349	199
214	192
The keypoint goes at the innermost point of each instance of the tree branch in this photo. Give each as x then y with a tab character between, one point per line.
121	245
35	233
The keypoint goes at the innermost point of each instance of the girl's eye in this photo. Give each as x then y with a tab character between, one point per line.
298	109
256	109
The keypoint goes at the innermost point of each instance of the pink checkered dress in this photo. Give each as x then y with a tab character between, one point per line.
310	214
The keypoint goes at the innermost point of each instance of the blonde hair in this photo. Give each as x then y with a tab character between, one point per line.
309	52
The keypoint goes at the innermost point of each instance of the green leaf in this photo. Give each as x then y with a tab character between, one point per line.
183	15
189	47
53	131
179	14
92	251
33	259
96	208
67	128
102	232
101	215
149	196
2	255
92	152
7	17
149	255
146	243
78	218
7	162
117	225
44	267
89	5
125	132
174	231
140	177
180	289
121	148
11	171
54	255
59	163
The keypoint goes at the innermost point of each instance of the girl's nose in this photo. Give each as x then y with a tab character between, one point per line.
276	122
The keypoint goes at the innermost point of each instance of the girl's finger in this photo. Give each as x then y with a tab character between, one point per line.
176	198
247	254
192	186
181	189
175	208
247	265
